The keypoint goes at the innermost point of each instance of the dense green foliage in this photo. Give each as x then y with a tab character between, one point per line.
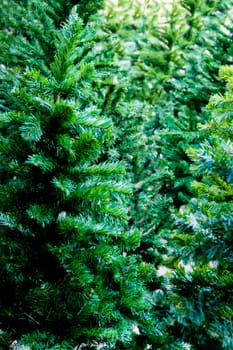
27	37
160	102
167	68
204	234
167	71
67	265
115	174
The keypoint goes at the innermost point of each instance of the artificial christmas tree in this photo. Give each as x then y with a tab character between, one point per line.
69	274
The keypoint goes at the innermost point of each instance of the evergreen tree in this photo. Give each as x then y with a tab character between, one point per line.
202	283
69	272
